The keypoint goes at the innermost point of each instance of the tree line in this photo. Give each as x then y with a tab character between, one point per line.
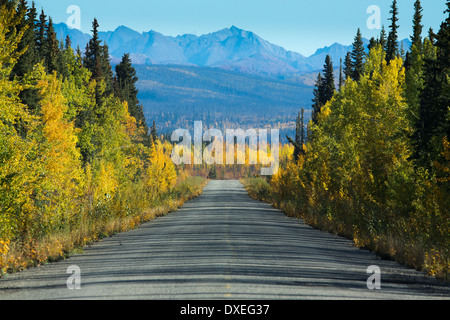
77	159
374	162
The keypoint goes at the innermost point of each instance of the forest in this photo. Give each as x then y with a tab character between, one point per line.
373	163
77	159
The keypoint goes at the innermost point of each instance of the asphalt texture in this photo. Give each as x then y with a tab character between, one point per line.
223	245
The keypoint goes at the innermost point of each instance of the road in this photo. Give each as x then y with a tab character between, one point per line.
223	245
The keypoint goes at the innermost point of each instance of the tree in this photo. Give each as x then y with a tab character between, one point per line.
318	100
153	133
96	60
357	56
126	89
433	116
341	75
392	41
328	81
40	36
51	48
416	38
414	65
28	59
348	66
383	38
299	141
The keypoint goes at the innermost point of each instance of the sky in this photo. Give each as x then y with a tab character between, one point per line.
302	26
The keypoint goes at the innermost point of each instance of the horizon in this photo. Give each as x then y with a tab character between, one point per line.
297	26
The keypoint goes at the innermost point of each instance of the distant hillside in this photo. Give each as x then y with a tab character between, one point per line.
176	96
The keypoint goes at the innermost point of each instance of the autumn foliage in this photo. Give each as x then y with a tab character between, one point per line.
74	164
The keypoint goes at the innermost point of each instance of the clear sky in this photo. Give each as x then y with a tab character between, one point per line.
298	25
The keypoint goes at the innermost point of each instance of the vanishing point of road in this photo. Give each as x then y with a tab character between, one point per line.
223	245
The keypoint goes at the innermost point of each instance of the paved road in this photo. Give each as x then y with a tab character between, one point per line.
222	245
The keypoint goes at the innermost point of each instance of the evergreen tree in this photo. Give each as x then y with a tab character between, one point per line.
153	133
433	122
299	141
328	81
125	88
341	75
348	66
383	38
26	46
416	38
51	48
358	55
392	41
96	60
40	36
318	98
25	63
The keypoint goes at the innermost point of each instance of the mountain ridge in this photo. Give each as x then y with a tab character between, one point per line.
229	48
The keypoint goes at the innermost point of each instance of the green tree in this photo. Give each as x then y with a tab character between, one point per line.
392	41
357	55
51	48
126	80
416	38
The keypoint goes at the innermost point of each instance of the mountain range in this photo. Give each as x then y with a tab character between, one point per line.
231	49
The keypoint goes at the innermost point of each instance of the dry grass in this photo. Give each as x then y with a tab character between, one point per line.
16	256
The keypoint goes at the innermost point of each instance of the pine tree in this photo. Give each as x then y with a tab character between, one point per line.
328	83
40	36
383	38
96	60
153	133
318	98
27	23
51	48
416	38
433	119
358	55
29	96
392	41
125	88
348	66
341	75
299	141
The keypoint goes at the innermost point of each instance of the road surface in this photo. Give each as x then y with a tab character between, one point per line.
222	245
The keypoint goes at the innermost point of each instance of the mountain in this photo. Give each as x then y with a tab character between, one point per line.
231	49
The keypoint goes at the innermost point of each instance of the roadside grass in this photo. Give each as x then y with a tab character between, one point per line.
61	245
387	246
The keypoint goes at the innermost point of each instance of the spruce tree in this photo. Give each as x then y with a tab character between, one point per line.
51	48
27	60
153	133
348	66
125	88
416	38
392	41
357	56
318	98
96	60
341	75
29	96
328	81
433	122
40	36
299	136
383	38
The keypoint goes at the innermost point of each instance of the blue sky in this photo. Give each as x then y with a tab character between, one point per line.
298	25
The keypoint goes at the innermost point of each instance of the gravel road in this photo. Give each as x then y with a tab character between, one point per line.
223	245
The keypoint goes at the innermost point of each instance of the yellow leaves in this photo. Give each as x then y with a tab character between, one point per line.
106	182
161	172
